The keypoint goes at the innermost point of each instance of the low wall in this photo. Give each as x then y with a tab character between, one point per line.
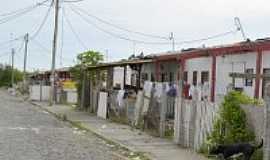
72	96
39	93
195	122
255	119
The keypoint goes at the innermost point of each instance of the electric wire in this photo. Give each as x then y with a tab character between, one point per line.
208	38
118	27
150	43
35	34
22	9
38	44
113	34
17	15
73	30
72	1
12	40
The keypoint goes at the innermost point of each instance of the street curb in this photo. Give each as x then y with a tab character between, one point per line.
146	156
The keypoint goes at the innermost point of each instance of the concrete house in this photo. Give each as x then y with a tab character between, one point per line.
214	66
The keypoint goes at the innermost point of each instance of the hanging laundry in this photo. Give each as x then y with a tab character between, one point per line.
120	98
147	88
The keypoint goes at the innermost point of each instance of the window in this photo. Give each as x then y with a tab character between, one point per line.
249	82
145	77
185	76
164	77
195	77
152	77
204	77
171	77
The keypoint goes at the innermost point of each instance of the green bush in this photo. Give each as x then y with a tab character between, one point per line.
5	76
230	126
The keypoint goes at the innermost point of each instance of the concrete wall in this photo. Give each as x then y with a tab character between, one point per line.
255	119
72	96
39	93
149	69
118	76
234	63
225	65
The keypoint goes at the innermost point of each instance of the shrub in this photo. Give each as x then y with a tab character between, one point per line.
230	126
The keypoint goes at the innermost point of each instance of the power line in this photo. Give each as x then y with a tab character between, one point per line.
35	34
38	44
151	43
19	14
4	54
120	28
19	49
10	41
116	35
73	1
208	38
73	30
22	9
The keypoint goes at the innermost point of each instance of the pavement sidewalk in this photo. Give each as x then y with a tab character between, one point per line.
133	139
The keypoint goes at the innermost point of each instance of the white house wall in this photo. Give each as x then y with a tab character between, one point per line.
148	69
225	65
118	76
234	63
199	65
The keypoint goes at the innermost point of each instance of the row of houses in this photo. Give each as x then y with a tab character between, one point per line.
177	91
209	68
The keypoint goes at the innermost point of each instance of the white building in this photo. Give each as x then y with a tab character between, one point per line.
212	67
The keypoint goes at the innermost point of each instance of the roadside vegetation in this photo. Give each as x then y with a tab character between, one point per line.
230	125
88	58
5	76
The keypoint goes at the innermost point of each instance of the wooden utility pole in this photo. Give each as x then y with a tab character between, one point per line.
52	95
12	66
26	38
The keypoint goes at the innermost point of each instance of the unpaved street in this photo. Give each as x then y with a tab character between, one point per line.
28	133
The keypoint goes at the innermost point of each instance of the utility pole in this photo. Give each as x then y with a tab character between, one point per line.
26	38
173	41
12	67
54	46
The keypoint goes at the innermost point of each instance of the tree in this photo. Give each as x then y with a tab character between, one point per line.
88	58
5	76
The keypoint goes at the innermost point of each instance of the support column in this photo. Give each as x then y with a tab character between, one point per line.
258	73
157	71
178	122
125	77
213	79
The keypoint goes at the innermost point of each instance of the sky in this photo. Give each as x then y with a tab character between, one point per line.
188	20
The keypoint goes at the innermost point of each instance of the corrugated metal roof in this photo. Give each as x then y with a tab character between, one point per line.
121	63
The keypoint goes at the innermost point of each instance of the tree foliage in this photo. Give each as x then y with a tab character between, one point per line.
88	58
5	76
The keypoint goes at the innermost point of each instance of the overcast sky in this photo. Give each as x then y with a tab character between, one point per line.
188	19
